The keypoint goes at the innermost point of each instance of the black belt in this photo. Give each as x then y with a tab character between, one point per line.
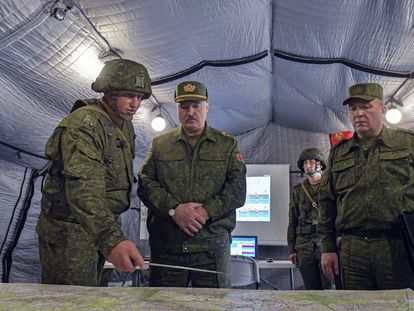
306	229
373	234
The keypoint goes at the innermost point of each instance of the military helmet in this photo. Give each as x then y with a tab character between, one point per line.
312	153
123	75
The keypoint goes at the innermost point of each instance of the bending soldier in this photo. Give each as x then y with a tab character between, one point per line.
89	181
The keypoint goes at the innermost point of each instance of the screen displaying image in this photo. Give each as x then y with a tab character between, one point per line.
244	245
257	206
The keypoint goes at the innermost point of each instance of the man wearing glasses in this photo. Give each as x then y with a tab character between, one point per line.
192	180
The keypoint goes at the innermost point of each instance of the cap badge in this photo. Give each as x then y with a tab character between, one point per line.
189	88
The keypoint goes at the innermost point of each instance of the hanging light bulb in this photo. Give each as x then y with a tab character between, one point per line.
393	115
158	123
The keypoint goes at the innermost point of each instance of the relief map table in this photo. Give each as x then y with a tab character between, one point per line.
62	297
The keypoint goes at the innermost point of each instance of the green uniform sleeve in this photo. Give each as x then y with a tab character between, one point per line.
233	192
327	213
83	158
293	222
150	190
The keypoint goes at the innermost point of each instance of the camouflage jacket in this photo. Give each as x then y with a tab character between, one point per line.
213	173
302	216
364	195
90	176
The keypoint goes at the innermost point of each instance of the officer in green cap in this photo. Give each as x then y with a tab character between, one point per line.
192	180
303	241
89	180
368	184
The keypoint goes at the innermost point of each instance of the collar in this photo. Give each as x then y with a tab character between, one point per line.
179	134
384	138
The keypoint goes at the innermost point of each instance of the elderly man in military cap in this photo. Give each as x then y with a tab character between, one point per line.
89	180
303	241
368	184
192	180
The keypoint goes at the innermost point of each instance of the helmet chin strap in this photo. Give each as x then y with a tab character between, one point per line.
316	171
114	95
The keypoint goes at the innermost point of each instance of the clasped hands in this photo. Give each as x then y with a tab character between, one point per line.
190	217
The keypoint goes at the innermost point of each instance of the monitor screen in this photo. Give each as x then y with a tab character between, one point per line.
244	245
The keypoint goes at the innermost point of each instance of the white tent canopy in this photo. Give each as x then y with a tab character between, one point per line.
276	71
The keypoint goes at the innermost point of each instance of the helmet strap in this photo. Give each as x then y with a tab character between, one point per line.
114	96
317	170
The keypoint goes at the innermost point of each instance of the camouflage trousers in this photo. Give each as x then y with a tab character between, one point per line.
69	256
374	264
309	264
218	260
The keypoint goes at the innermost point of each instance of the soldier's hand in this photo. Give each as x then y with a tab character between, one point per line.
330	265
203	213
125	256
293	258
187	219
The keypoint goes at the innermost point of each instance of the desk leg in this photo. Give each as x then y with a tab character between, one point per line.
135	278
292	279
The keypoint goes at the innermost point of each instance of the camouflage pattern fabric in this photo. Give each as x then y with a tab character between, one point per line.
303	239
74	260
123	75
190	90
88	184
212	173
215	259
361	197
311	153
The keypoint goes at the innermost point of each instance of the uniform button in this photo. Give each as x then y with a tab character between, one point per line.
185	249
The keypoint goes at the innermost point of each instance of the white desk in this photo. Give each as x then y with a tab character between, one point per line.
279	264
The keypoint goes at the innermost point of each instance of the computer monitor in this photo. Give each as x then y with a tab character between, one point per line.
244	245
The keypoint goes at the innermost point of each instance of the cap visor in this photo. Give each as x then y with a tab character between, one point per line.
193	97
362	97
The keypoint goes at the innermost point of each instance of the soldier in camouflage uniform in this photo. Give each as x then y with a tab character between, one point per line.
89	180
370	181
303	242
192	180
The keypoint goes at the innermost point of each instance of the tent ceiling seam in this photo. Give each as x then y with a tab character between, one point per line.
25	27
346	62
211	63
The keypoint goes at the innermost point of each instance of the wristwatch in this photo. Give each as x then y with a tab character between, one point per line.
171	212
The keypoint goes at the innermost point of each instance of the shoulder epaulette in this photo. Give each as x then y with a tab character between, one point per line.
221	133
406	131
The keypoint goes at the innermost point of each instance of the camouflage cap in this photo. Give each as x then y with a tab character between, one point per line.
190	90
123	75
364	91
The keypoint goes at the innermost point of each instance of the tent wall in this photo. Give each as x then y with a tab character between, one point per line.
16	188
